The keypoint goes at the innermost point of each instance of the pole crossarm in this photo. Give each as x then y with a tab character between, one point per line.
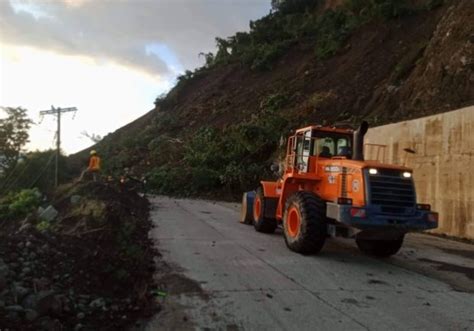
57	111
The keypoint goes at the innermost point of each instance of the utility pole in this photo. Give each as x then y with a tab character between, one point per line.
57	112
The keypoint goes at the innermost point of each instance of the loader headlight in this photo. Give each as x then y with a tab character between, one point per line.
373	171
407	174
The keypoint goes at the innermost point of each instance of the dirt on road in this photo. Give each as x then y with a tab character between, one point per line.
240	279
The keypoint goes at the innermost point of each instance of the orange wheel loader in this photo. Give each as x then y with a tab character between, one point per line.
327	189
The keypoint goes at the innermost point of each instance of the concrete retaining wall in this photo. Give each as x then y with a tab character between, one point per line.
443	163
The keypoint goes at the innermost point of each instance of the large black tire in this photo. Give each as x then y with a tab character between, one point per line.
246	216
305	223
260	222
379	248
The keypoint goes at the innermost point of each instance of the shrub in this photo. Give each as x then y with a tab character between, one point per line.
293	6
168	179
43	226
19	204
204	179
334	28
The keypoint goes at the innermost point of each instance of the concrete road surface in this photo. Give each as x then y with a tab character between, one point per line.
226	276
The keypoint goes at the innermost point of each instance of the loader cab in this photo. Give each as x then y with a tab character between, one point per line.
313	143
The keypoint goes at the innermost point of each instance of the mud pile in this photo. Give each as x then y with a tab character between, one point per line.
90	268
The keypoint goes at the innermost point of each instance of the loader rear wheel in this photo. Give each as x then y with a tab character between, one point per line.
380	248
246	216
260	222
304	223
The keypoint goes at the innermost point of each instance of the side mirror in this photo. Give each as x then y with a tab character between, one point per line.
275	167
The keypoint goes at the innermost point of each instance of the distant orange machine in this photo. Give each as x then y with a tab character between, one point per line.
327	189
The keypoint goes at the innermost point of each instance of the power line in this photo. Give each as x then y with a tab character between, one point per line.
10	176
42	171
8	185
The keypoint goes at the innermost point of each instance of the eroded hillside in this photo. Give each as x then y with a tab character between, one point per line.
309	62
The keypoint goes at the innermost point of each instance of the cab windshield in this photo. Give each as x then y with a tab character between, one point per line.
324	144
328	145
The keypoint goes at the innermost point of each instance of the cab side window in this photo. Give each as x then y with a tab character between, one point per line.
299	149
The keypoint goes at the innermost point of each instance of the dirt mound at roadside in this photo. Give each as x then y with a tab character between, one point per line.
91	268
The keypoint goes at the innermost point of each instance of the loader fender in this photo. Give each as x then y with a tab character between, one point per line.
271	195
270	189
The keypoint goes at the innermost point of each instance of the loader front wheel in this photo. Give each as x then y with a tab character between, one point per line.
260	222
379	248
304	223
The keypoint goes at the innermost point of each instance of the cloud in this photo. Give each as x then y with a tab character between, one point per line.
160	37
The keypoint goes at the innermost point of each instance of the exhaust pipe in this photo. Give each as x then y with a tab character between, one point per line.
359	134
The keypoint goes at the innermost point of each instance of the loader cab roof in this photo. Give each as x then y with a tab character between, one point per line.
332	129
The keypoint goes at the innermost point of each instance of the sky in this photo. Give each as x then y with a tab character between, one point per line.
108	58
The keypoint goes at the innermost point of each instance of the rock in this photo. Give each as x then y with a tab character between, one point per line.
80	316
49	214
15	308
26	270
97	303
14	265
78	327
48	302
4	270
51	325
31	315
75	199
391	88
19	292
29	302
41	284
25	226
13	316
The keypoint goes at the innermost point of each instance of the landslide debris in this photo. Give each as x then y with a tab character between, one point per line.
219	129
89	268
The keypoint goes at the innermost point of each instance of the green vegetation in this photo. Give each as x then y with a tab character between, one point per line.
33	169
232	158
20	170
302	22
18	205
44	226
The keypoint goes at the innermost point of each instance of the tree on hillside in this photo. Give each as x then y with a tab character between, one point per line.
95	138
293	6
14	127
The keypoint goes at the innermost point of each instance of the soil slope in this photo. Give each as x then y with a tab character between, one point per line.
384	71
